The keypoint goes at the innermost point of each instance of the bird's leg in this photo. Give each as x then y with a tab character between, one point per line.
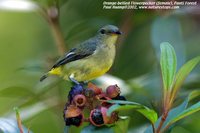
84	83
73	80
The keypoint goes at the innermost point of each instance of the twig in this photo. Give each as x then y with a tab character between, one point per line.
58	38
53	19
166	108
125	27
19	121
153	127
164	116
162	131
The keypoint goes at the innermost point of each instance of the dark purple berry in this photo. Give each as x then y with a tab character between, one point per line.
76	121
96	117
119	98
76	89
89	93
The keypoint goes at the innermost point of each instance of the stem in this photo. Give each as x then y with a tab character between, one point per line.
53	19
59	40
164	116
165	128
19	121
166	108
153	127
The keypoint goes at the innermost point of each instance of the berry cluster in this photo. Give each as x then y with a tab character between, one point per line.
92	98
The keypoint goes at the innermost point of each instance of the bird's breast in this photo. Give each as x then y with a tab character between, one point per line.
105	55
94	65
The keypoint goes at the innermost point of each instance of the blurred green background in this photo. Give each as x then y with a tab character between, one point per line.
27	50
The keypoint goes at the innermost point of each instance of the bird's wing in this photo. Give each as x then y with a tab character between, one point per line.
83	50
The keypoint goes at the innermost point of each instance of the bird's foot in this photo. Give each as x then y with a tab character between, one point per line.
74	81
84	83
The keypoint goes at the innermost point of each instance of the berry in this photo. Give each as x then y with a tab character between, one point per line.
96	117
119	98
73	116
96	89
79	100
89	93
72	111
74	120
76	89
112	91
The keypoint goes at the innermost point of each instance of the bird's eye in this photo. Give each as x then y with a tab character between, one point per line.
103	31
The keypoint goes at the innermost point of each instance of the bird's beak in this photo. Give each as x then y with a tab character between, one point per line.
118	32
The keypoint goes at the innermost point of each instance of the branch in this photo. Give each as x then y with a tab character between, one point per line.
53	19
153	127
164	116
19	121
166	108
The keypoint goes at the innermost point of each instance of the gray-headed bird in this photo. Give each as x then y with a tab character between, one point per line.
90	59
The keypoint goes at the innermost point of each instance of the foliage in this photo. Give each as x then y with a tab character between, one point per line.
151	115
168	65
28	50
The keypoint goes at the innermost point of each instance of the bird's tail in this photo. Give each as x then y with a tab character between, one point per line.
44	77
53	71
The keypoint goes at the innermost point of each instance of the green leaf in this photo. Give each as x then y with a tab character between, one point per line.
66	129
93	129
117	107
194	108
175	111
149	114
183	73
15	91
168	64
175	37
122	102
121	126
19	121
123	105
10	126
194	94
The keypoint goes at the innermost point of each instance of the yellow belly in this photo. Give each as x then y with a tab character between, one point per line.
86	69
90	67
93	74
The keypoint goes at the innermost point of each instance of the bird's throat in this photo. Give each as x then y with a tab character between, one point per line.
111	40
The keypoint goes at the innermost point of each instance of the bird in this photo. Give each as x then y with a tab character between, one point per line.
90	59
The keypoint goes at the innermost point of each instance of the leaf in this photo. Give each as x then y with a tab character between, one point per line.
93	129
63	2
123	105
66	129
183	73
15	91
117	107
194	94
149	114
168	64
121	126
175	111
194	108
10	126
160	33
19	121
122	102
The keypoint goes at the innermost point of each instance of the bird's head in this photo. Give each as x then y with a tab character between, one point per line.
109	33
109	30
